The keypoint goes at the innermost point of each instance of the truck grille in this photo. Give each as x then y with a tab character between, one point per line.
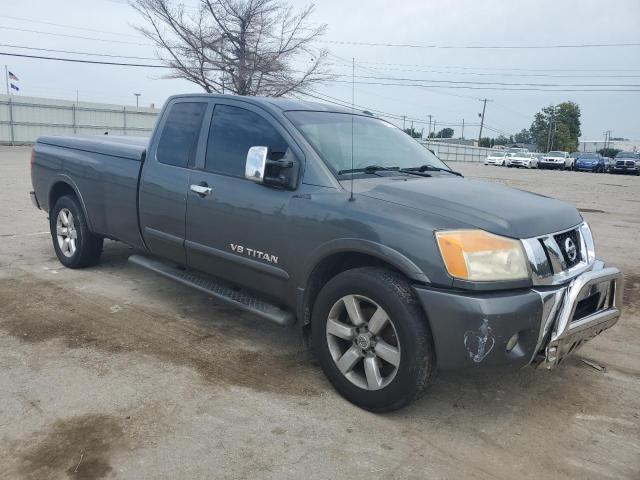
569	244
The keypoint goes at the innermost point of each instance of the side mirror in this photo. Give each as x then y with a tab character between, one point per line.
256	164
279	173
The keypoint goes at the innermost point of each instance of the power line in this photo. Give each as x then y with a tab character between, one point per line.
478	47
77	60
503	74
466	67
80	37
62	25
449	94
495	83
342	75
472	87
75	52
419	85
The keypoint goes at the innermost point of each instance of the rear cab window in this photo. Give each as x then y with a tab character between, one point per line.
179	135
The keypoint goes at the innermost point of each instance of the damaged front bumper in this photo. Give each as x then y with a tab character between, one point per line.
539	326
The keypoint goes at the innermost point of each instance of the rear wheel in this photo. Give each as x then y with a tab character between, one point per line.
74	244
372	339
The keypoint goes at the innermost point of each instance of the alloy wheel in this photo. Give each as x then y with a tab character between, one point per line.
66	233
363	342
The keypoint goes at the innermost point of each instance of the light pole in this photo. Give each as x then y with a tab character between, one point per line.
137	98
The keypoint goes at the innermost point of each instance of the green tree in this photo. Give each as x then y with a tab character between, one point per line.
485	142
445	133
413	132
557	127
502	140
524	136
609	152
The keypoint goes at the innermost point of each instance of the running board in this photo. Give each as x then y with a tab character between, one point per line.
218	289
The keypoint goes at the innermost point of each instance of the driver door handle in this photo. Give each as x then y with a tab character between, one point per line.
202	190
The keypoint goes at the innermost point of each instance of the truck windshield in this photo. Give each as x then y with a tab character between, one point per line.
555	154
375	142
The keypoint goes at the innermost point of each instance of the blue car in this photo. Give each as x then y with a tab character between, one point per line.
590	162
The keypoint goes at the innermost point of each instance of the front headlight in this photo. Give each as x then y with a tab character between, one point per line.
477	255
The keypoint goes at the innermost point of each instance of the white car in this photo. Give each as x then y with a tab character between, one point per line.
524	160
496	158
555	159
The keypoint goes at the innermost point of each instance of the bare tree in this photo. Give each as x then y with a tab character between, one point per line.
246	47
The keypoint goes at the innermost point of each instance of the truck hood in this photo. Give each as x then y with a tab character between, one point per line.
489	206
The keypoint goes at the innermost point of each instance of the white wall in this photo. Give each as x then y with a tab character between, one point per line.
450	152
24	119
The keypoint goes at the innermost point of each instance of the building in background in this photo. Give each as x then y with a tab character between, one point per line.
595	145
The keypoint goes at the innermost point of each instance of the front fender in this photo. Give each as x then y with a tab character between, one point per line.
367	247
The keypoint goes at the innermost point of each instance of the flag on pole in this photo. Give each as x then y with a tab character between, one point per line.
15	87
13	77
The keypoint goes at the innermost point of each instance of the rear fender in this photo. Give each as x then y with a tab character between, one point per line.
67	180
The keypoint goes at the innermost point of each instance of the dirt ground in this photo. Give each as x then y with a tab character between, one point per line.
114	372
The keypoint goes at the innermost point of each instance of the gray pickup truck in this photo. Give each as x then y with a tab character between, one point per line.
389	263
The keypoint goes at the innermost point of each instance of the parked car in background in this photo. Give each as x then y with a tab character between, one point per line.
524	160
589	162
496	158
517	150
626	162
556	159
608	164
571	159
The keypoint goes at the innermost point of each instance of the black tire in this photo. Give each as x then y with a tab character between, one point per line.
410	328
88	247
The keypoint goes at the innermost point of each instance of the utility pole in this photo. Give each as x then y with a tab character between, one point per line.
484	107
435	133
404	119
463	129
429	134
137	97
411	128
6	77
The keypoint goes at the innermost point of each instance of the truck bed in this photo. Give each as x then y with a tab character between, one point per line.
104	171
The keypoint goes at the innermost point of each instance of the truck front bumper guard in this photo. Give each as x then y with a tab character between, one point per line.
590	304
537	326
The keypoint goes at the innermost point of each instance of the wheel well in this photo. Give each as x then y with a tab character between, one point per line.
328	268
60	189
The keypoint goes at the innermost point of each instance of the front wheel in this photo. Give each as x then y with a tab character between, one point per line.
75	245
372	339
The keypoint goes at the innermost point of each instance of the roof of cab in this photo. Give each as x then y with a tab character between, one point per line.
273	103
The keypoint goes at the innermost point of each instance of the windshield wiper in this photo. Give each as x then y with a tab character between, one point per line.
369	169
430	168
